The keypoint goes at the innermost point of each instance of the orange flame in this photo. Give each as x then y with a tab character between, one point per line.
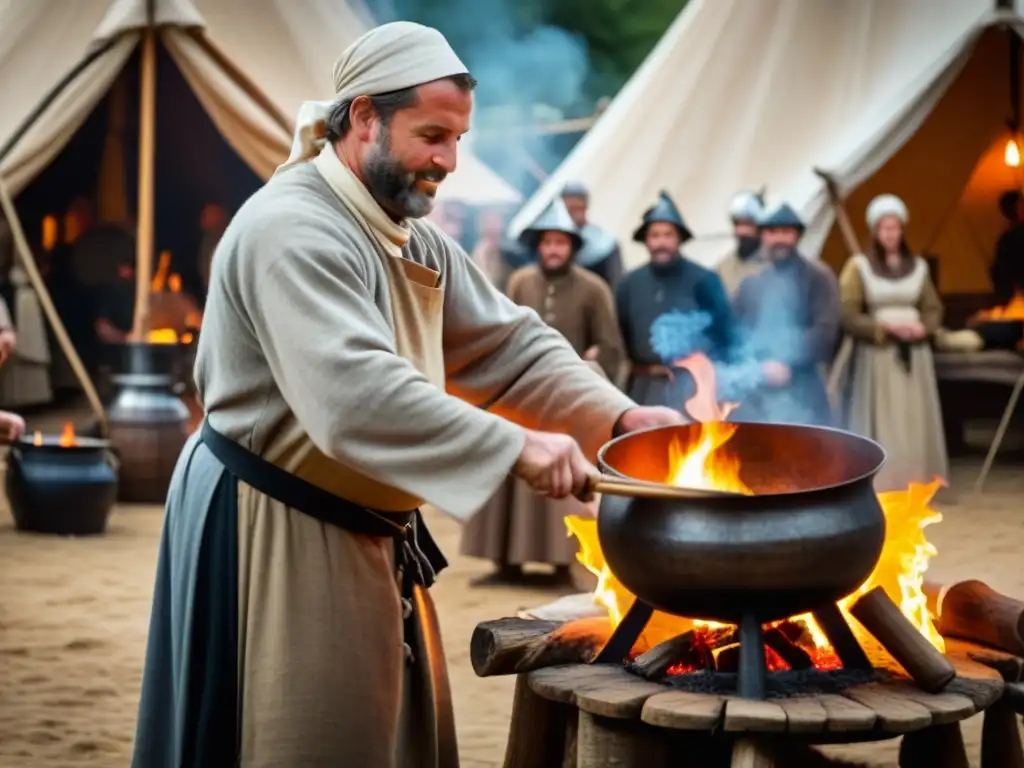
67	436
162	336
899	571
37	438
1013	310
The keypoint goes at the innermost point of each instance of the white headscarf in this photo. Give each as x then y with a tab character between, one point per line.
388	58
886	205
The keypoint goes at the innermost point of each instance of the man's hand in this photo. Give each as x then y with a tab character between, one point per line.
592	353
776	374
646	417
8	341
12	426
553	465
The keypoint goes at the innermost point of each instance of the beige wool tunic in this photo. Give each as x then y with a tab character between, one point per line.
517	526
328	344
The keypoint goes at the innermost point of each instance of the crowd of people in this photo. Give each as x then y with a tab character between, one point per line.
790	342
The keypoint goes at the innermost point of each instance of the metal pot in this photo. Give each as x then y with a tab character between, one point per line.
810	535
148	420
61	490
999	334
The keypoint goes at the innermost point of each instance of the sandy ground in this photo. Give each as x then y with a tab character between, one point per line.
74	615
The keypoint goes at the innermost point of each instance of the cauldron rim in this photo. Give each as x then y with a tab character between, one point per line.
610	470
52	445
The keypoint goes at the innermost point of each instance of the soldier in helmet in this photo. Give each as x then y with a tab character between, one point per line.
669	284
744	210
789	313
599	252
517	526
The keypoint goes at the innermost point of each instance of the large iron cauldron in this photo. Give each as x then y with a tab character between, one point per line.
62	490
810	535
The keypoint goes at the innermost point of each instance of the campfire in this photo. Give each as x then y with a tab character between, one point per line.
798	642
170	309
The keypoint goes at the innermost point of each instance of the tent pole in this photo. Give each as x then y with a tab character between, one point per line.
52	95
145	234
842	217
25	255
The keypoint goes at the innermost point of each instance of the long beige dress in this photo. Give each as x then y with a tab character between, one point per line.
329	334
891	395
517	526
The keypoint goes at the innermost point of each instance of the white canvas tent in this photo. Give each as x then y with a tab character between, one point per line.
250	63
902	96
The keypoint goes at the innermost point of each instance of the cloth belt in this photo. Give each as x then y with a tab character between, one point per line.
418	557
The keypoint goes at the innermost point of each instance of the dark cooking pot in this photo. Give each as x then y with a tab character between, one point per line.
810	535
999	334
62	490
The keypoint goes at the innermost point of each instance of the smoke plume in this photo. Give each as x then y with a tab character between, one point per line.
528	72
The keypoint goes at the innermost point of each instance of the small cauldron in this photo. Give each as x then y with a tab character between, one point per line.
810	535
66	490
999	334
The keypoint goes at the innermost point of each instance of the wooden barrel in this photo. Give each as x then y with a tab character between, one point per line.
148	422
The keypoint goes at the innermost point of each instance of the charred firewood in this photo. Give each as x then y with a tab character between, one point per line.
513	646
791	653
691	649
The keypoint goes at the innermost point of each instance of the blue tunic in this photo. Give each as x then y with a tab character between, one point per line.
790	313
650	291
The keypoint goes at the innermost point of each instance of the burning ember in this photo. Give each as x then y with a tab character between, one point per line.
67	436
703	464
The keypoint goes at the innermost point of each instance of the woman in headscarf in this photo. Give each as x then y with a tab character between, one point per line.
885	371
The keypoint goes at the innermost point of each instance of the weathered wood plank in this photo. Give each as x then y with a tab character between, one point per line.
684	710
621	696
938	746
744	715
945	707
562	683
804	714
846	715
896	713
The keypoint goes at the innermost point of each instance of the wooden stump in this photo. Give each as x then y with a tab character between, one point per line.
580	715
537	733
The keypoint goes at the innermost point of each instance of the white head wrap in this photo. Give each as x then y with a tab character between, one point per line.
886	205
746	206
388	58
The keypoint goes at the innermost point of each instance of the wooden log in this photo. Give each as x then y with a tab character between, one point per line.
887	624
514	646
940	746
728	659
747	753
692	648
1000	738
972	610
604	742
536	735
791	653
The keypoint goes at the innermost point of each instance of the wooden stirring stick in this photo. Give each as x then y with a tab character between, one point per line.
615	486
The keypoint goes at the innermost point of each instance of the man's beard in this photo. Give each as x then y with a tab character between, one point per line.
393	186
780	252
747	246
663	255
